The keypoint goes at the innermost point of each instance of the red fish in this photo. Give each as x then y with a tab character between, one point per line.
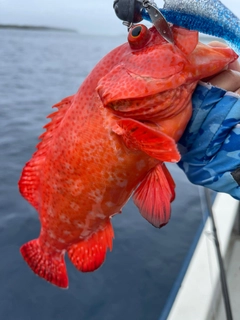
110	140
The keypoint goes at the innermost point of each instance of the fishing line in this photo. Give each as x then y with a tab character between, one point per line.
208	238
219	256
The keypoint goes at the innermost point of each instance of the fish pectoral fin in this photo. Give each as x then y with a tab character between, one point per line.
138	136
154	195
49	266
89	255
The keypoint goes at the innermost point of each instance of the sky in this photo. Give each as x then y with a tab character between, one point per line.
86	16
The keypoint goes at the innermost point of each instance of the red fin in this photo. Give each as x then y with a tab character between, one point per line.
29	181
185	40
138	136
170	181
56	117
154	195
46	265
89	255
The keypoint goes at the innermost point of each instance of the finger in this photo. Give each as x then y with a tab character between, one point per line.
234	66
228	80
217	44
238	91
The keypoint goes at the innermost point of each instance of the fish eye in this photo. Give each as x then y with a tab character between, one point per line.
138	36
136	31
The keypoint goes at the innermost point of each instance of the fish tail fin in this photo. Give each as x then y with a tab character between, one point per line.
49	266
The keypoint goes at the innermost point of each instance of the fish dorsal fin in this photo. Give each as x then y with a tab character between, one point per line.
154	195
185	40
56	118
29	181
138	136
89	255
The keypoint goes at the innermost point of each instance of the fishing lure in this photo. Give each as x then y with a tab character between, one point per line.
210	17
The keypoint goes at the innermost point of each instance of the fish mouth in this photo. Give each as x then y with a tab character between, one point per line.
164	104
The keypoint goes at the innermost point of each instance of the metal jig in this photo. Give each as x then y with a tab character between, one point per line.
130	11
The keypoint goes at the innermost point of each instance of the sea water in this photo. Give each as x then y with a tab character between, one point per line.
37	70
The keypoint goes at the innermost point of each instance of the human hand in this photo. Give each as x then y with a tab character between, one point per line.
210	144
229	79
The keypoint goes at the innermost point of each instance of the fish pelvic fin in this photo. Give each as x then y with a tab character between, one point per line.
89	255
138	136
29	181
154	195
46	265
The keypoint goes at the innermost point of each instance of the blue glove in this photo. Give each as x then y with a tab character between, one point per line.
210	145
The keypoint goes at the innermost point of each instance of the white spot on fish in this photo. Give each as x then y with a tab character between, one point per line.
50	212
100	216
66	232
122	183
74	206
64	218
76	187
111	178
54	186
78	225
61	240
68	167
51	234
91	214
110	204
140	165
85	233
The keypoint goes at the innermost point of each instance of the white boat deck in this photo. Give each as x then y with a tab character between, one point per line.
200	297
232	265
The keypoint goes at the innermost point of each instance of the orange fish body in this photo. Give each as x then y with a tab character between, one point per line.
110	140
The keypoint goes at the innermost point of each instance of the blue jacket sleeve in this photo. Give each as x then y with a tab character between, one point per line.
210	145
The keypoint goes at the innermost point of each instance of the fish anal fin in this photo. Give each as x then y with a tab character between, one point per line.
29	181
154	195
138	136
46	265
89	255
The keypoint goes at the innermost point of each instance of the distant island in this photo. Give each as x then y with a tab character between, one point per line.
42	28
